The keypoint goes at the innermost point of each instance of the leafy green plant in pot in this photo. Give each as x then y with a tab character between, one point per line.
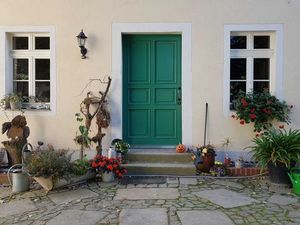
123	148
277	150
15	101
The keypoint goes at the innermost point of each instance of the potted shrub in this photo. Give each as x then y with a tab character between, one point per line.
277	150
207	154
15	101
81	170
122	147
47	166
108	168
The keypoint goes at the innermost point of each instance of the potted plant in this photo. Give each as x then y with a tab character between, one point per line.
122	147
207	153
81	169
15	101
278	150
48	165
108	168
261	109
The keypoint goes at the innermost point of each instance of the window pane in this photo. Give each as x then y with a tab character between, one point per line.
42	91
20	69
261	69
20	43
42	43
235	88
42	69
261	42
21	87
238	69
261	86
238	42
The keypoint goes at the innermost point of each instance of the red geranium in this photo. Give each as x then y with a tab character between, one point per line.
262	109
252	116
104	164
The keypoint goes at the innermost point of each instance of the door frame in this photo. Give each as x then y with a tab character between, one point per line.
115	96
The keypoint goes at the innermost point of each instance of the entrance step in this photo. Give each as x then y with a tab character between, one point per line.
159	162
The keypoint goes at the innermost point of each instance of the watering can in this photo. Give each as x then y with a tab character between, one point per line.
295	178
20	180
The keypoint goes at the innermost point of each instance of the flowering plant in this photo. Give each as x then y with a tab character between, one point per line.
104	164
206	150
261	109
122	146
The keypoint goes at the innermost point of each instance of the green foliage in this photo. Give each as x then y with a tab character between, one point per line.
122	146
49	162
83	138
206	150
261	109
277	147
80	166
15	97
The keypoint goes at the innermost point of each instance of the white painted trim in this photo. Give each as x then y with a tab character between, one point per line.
278	81
185	29
4	61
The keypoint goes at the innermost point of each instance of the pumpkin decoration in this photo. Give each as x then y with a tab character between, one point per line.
180	148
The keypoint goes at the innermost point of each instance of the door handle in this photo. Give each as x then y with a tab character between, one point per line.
179	97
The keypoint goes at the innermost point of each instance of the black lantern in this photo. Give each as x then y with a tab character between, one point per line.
81	38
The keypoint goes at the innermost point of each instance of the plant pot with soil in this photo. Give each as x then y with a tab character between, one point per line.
277	150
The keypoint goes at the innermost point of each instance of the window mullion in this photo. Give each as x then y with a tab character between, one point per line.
32	82
249	84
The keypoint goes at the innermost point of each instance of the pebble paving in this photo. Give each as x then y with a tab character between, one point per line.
98	203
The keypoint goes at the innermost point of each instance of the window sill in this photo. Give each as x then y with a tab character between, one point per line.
29	112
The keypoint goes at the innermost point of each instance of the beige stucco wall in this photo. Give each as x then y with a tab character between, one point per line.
207	18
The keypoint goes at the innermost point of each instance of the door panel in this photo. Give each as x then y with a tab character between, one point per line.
151	80
139	123
165	123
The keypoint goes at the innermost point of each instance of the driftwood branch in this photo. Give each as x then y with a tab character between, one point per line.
101	113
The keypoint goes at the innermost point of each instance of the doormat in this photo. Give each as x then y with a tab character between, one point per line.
143	180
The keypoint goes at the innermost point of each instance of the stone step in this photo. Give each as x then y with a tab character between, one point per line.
178	169
167	155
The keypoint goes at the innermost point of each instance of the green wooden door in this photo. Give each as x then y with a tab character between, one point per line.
152	89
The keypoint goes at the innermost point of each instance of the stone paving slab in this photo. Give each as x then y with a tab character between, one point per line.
153	216
16	207
65	197
77	217
282	199
172	180
188	181
228	183
147	193
225	198
203	217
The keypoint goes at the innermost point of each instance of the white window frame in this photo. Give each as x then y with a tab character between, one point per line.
6	81
275	31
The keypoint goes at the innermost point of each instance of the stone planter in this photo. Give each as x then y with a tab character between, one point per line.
48	183
108	176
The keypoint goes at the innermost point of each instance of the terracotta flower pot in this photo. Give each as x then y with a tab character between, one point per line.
208	162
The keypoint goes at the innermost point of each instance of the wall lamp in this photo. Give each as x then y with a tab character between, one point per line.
81	38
